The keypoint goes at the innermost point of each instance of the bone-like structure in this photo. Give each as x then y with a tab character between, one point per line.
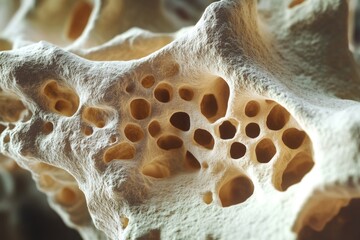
243	126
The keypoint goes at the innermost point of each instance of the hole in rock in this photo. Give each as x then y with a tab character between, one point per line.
191	163
46	181
205	165
227	130
124	221
133	132
293	138
130	88
66	196
207	197
121	151
180	120
204	138
148	81
7	138
96	116
48	127
153	234
156	169
297	168
2	128
252	130
169	142
277	118
62	100
252	108
235	191
87	130
214	104
163	92
343	226
186	93
295	3
79	19
265	150
237	150
154	128
209	106
113	139
140	108
11	108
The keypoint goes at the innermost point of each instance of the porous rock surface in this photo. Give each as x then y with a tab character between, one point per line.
244	126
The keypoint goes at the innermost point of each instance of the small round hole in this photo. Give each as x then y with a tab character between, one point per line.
163	92
48	127
252	108
265	150
186	93
148	81
227	130
133	132
252	130
207	197
180	120
140	108
237	150
154	128
87	130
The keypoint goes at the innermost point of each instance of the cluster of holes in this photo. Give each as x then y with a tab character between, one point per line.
60	99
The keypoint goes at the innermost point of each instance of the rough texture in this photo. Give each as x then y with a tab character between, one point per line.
244	126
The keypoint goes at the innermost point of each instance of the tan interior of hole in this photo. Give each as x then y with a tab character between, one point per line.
154	128
79	19
2	128
295	3
277	118
343	224
140	108
237	150
157	168
180	120
252	130
7	138
190	162
235	191
186	93
204	138
252	108
48	127
265	150
297	168
124	221
61	100
227	130
46	181
10	108
121	151
214	102
87	130
207	197
133	132
163	92
66	196
96	116
293	138
148	81
169	142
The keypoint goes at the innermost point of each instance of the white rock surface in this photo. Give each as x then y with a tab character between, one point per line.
244	126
